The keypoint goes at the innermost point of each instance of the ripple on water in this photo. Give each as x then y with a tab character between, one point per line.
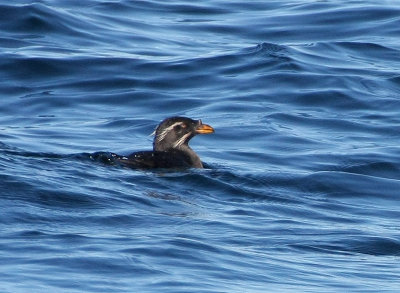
299	189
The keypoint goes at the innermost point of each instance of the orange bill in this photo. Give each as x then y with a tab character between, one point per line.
204	129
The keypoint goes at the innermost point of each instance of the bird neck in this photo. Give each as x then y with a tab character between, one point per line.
195	159
185	148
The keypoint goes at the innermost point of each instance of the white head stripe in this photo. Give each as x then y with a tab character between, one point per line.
162	135
181	140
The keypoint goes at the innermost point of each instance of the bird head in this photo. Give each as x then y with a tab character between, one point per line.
175	132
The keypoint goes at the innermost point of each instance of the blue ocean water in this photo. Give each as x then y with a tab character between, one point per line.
301	189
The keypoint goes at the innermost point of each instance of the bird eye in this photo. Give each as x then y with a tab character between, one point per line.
179	127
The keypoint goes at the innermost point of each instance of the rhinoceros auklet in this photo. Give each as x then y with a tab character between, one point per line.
170	146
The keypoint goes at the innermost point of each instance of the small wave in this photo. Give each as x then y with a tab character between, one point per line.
372	245
350	185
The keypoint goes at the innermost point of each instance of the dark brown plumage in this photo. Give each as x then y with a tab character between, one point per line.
170	146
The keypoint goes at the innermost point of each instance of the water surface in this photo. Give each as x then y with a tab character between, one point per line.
300	190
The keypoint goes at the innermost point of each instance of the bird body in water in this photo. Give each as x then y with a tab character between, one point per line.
170	146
